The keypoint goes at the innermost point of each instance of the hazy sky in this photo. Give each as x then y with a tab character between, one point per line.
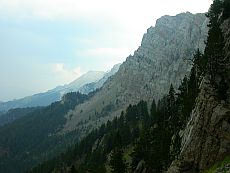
45	43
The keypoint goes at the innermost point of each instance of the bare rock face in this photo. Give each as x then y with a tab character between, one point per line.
206	139
167	48
161	59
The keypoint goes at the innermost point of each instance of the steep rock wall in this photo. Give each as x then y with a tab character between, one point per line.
206	139
161	59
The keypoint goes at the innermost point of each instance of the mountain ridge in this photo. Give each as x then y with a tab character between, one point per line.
206	138
188	131
146	75
158	62
46	98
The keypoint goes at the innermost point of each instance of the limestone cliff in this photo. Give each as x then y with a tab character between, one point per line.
206	139
161	59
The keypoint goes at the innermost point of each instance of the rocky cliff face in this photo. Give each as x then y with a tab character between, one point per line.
167	48
206	139
161	59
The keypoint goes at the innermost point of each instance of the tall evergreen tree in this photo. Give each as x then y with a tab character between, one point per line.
198	64
214	51
73	169
153	109
171	100
117	163
226	10
214	46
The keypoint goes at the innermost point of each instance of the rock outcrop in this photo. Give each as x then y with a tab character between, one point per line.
206	139
162	59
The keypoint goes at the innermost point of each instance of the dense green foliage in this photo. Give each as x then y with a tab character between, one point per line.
90	154
226	10
222	166
159	143
41	99
214	51
14	114
153	135
32	138
117	162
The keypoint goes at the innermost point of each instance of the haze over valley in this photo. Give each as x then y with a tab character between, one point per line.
115	86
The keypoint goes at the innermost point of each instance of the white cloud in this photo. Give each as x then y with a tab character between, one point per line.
125	12
132	17
77	71
104	57
76	8
66	75
59	68
107	53
119	26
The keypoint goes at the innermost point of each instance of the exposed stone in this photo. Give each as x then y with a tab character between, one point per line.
140	167
161	59
206	139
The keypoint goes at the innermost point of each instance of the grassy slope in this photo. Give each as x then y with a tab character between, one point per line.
220	167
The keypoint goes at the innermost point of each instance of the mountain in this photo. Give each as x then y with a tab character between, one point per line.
14	114
44	124
188	131
87	88
81	84
206	138
89	77
34	137
46	98
164	57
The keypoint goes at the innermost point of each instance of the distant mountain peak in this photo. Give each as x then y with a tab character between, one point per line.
46	98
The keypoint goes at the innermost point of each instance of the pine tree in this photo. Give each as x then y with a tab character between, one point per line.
171	99
226	11
215	40
153	109
73	169
117	163
214	51
171	109
199	64
157	154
